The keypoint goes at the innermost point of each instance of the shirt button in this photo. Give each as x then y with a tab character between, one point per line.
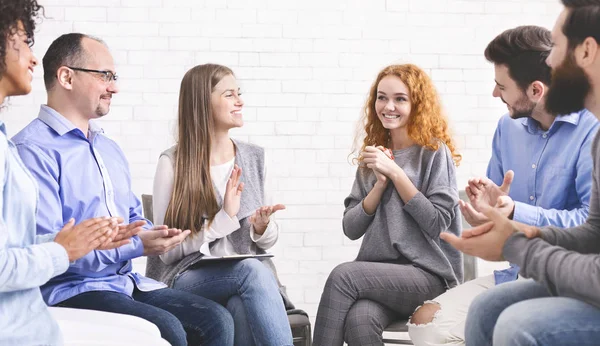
545	135
531	198
533	166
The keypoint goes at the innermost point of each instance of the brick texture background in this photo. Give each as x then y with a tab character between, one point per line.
305	68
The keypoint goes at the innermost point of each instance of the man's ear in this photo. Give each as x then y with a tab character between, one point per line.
586	53
536	91
64	77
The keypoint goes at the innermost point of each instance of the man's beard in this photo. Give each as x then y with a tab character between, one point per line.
569	88
102	111
523	108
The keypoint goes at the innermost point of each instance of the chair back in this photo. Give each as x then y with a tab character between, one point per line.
470	262
147	207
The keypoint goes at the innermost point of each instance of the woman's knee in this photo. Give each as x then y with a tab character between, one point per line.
253	269
340	274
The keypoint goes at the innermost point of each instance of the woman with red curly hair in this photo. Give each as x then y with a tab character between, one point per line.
403	197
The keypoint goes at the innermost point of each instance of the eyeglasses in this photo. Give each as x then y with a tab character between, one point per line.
108	76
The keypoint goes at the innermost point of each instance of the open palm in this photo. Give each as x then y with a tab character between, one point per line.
483	192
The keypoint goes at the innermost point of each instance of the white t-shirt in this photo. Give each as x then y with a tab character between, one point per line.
222	224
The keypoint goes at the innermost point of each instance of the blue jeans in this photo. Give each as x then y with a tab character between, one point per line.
523	313
182	318
249	291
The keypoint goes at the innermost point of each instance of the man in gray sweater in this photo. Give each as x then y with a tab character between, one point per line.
561	305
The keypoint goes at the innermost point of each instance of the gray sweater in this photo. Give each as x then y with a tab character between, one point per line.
399	232
565	260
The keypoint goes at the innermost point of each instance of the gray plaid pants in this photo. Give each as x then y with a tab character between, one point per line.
360	299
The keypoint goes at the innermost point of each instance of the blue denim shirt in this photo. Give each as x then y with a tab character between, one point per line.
553	171
82	178
26	261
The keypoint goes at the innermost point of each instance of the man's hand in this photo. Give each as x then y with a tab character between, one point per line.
482	192
88	235
506	206
123	234
161	239
485	241
473	217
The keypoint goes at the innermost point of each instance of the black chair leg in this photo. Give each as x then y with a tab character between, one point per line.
307	336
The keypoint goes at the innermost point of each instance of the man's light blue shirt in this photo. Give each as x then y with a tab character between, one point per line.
82	177
553	170
26	261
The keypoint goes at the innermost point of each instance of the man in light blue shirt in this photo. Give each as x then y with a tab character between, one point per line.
26	260
540	172
82	173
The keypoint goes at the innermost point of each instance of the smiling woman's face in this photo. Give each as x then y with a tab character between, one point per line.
20	62
227	104
393	103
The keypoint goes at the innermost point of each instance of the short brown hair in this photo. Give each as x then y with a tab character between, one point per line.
523	50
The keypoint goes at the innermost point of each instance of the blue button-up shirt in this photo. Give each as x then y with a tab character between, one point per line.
553	170
82	177
26	261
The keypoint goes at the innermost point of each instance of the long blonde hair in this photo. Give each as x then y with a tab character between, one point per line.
193	196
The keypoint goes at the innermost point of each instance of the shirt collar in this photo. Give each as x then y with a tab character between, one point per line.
572	118
2	127
60	124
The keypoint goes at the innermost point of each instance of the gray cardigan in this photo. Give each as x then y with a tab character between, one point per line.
251	159
400	232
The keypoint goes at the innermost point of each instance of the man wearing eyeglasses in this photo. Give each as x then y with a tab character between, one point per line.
82	173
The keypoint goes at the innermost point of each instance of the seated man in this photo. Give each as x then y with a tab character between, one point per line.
81	173
26	260
561	305
551	164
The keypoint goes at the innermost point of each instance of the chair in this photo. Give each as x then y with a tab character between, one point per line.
298	319
470	273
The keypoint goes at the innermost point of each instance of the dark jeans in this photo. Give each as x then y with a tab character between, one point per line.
182	318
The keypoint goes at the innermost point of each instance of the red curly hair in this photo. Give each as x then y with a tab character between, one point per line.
427	125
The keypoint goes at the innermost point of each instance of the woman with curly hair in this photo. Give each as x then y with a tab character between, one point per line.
403	197
26	260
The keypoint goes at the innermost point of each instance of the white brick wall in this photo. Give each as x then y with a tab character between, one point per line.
305	67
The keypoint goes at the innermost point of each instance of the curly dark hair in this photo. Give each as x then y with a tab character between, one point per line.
11	12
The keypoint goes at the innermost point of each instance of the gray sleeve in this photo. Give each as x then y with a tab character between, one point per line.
434	208
565	273
356	221
584	239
